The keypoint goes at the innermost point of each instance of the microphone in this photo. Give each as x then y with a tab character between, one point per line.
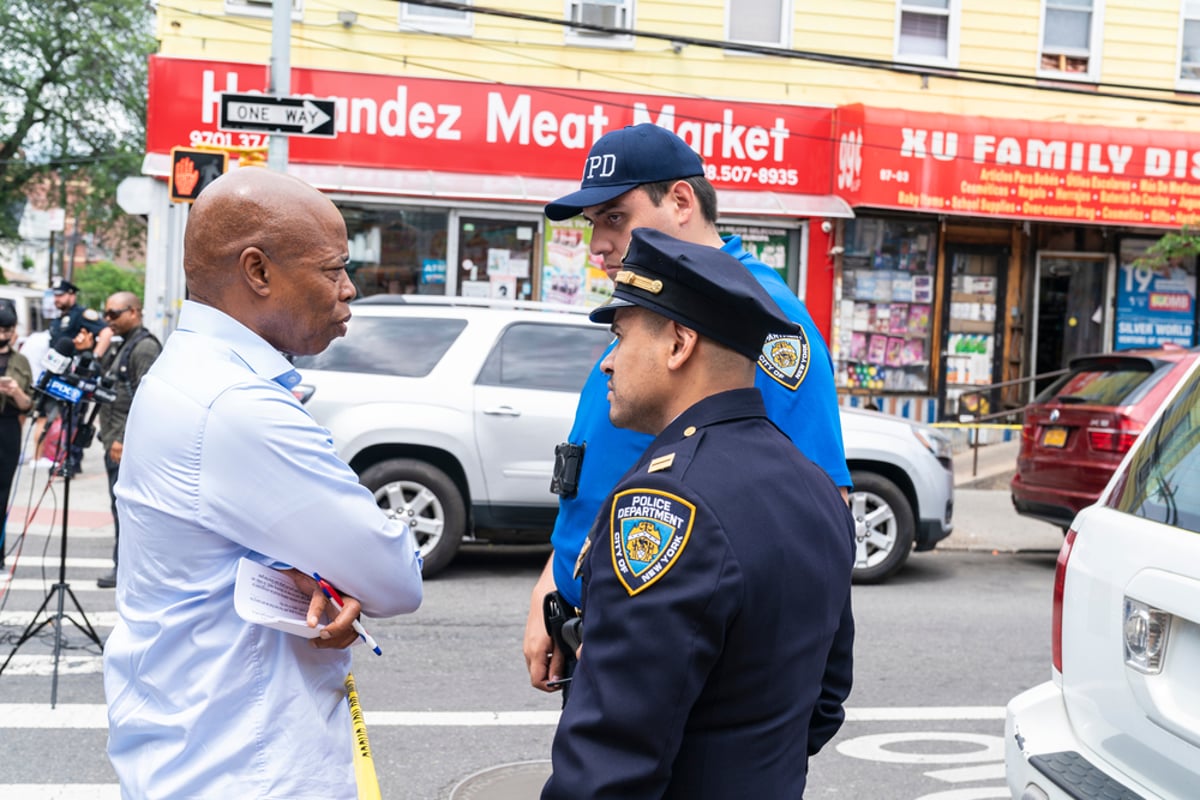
57	362
58	359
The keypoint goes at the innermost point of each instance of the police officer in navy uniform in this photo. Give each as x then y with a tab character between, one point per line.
717	630
76	317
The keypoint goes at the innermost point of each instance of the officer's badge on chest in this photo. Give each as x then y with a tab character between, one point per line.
650	529
786	358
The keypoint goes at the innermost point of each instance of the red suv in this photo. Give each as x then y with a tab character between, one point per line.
1077	430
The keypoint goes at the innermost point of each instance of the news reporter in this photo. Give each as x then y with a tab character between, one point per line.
16	382
220	461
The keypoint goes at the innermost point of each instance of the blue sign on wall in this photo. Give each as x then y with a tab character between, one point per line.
1154	306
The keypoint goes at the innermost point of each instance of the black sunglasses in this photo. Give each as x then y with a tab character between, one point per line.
113	313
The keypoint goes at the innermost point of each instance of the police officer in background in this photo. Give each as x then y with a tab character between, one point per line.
126	363
75	318
717	632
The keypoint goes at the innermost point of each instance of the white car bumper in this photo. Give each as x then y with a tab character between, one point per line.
1043	756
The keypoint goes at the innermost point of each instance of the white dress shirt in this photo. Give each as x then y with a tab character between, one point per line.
220	462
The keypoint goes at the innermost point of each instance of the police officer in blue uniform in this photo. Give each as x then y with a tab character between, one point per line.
717	631
75	318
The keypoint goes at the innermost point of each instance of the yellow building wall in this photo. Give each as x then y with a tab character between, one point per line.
1139	48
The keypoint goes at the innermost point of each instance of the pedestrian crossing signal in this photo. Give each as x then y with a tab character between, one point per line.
192	170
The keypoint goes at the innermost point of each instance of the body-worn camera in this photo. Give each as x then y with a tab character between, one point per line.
568	461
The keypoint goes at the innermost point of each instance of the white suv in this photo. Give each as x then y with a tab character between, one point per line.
449	410
1120	717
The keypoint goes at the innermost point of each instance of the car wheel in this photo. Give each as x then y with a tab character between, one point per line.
883	527
423	496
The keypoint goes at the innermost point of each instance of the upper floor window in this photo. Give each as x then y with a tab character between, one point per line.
1071	39
759	22
1189	44
927	31
261	8
440	20
606	13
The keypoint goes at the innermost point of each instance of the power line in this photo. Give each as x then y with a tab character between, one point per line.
987	77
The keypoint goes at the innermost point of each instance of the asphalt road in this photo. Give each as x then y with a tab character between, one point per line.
940	649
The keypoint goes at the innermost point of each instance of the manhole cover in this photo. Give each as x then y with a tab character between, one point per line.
520	781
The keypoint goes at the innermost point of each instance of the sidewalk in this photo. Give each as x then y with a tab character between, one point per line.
984	518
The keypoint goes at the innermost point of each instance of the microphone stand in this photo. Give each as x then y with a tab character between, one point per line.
62	589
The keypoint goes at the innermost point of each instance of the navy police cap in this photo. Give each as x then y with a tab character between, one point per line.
64	286
623	159
698	286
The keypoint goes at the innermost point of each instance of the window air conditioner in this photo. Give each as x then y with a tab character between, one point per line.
605	14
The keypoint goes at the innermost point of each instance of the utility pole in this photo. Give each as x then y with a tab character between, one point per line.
281	75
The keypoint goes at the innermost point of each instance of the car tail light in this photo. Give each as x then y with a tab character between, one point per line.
1117	439
1060	579
1145	630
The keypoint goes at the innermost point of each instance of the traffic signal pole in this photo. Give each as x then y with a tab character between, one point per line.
281	75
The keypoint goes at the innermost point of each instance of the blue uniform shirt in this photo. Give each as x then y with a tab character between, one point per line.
72	320
807	413
717	625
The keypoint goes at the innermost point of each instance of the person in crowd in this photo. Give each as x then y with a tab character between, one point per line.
220	462
716	580
74	317
125	363
646	176
16	386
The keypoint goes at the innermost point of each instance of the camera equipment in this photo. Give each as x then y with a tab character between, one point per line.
71	383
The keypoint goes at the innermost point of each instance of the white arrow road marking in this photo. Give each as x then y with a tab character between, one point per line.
33	716
985	772
980	793
875	748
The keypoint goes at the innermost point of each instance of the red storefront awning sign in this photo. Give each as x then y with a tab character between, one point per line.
1024	169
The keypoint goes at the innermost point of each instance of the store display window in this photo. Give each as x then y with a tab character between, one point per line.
396	250
883	326
768	245
495	257
974	330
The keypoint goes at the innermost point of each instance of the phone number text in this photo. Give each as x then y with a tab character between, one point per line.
764	176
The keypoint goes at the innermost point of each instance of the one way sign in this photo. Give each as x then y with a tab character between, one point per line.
293	116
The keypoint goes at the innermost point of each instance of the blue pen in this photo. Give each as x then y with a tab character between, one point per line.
336	600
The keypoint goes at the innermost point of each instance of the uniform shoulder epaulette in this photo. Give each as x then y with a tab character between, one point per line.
673	457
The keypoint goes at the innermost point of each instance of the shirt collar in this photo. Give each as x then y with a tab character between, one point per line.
252	349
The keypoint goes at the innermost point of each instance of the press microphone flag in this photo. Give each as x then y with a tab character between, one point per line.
58	359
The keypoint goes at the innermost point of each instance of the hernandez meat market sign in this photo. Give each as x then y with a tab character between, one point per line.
1017	168
470	127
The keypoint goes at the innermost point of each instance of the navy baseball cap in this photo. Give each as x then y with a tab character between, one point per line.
699	286
623	159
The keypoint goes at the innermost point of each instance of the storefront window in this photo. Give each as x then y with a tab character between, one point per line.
396	250
883	326
972	348
571	275
768	245
494	257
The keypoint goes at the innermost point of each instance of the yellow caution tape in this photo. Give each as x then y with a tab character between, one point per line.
994	426
364	764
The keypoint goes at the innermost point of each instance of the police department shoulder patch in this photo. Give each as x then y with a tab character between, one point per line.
786	358
91	315
649	528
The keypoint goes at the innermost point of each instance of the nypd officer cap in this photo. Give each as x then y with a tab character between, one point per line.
624	159
64	286
698	286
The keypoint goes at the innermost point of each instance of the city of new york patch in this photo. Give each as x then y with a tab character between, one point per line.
649	529
786	358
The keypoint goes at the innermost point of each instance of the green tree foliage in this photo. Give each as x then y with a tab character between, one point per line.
1171	247
72	105
100	280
